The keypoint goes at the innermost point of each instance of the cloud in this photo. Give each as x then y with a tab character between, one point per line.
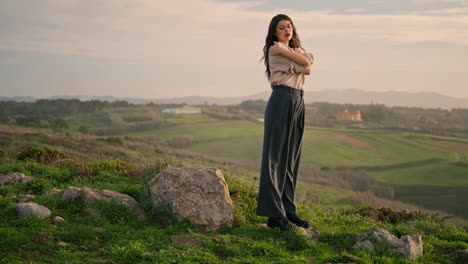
448	11
214	41
356	10
140	29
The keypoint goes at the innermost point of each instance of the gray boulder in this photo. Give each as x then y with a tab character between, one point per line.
24	210
92	196
460	256
14	177
410	246
195	193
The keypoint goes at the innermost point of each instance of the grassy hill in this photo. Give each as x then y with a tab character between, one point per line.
112	235
434	167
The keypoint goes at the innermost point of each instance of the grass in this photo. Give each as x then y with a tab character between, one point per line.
242	140
114	235
451	198
89	120
395	158
436	173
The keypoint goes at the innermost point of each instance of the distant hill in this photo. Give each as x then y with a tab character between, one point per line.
389	98
18	98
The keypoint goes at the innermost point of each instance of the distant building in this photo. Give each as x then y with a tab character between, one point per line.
346	115
214	109
183	110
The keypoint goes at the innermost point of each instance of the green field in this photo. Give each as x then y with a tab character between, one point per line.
401	159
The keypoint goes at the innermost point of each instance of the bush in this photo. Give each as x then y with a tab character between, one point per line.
43	155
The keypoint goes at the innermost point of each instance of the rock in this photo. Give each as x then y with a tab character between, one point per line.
53	192
410	246
92	196
63	244
30	208
58	220
195	193
196	242
23	198
14	177
309	232
460	256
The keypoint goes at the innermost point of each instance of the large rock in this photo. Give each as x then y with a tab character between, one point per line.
410	246
14	177
24	210
92	196
460	256
195	193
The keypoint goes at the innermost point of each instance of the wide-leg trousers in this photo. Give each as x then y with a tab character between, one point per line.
282	145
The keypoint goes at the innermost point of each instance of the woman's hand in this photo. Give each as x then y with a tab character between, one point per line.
308	69
282	50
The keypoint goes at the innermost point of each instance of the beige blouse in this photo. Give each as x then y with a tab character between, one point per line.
285	71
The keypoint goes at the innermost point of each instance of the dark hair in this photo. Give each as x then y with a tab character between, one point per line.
269	41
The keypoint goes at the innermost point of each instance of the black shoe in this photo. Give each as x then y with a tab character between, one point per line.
293	218
280	222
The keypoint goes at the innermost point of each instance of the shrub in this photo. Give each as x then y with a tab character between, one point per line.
43	155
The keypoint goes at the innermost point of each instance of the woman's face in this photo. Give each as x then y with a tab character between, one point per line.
284	31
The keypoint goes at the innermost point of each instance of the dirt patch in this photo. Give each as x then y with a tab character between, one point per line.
448	144
350	140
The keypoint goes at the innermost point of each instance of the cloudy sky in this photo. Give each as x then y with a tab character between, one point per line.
160	48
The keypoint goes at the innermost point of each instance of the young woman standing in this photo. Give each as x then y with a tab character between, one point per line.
286	63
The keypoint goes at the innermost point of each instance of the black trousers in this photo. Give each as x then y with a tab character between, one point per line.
282	144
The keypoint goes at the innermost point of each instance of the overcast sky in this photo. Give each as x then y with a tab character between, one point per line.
160	49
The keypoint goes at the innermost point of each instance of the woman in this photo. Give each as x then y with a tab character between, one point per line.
286	63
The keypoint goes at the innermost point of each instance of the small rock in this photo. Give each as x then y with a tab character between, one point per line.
92	196
309	232
196	242
410	246
63	244
23	198
460	256
263	226
54	192
14	177
58	220
30	208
